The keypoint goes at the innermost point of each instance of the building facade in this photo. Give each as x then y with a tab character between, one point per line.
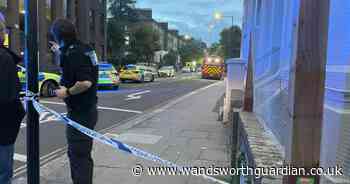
88	15
165	27
169	40
182	41
173	40
145	18
272	26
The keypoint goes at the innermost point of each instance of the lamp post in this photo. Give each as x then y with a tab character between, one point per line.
219	16
31	61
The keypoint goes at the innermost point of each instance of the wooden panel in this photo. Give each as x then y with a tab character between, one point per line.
307	87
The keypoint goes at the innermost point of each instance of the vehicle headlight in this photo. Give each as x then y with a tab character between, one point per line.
217	60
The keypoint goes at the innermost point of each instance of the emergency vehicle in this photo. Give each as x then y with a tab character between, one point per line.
213	68
108	76
48	82
138	73
191	66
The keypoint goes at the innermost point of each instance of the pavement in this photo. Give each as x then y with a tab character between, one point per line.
183	130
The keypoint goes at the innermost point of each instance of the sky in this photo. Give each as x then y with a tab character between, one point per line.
195	17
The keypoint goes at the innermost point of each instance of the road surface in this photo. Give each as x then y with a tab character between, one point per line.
115	108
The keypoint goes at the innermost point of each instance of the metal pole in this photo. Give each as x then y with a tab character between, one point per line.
232	38
31	61
105	31
233	21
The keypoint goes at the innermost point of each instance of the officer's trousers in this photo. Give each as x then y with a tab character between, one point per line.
80	146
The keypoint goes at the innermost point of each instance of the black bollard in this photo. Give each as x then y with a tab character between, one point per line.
31	61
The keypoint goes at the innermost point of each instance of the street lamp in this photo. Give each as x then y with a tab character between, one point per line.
219	16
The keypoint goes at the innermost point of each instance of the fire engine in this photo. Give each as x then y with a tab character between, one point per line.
213	68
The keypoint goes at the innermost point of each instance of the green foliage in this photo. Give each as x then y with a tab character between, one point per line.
216	49
122	10
170	59
122	14
116	39
130	59
144	41
193	50
231	42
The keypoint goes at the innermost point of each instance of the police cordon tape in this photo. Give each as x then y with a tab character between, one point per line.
113	142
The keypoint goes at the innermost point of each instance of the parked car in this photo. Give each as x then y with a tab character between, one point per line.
166	71
137	73
154	71
186	70
48	82
108	76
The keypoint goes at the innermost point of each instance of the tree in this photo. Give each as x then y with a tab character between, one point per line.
230	39
122	14
192	50
216	49
170	59
116	41
122	10
144	41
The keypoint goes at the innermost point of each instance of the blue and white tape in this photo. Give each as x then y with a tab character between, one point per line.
114	142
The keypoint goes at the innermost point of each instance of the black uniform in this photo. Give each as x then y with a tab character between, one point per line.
11	109
79	63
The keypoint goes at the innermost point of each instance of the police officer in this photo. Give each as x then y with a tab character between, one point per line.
11	109
78	62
